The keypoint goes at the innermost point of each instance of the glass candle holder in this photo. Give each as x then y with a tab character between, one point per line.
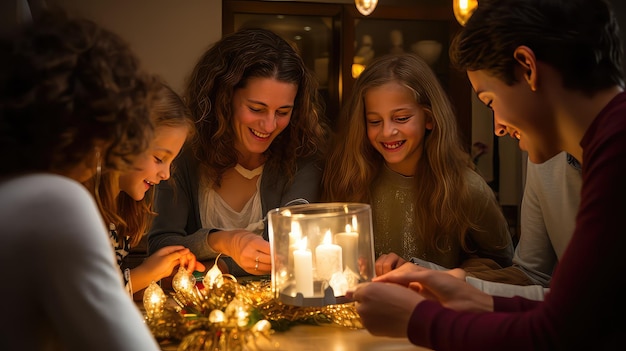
319	251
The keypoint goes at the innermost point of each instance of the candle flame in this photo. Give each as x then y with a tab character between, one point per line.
302	244
328	238
296	230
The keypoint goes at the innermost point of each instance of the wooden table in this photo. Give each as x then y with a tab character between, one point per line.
322	338
330	338
327	338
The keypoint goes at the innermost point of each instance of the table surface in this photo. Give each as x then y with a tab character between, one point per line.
326	338
318	338
321	338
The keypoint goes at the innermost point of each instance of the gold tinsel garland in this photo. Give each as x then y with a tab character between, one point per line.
223	314
282	316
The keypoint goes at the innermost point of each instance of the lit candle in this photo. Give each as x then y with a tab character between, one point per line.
295	234
349	242
303	268
328	258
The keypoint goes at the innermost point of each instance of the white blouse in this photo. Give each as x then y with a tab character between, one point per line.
216	213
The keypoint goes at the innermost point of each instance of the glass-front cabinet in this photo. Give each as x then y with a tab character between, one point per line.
337	42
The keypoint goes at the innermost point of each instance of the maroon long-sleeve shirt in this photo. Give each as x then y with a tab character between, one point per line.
585	308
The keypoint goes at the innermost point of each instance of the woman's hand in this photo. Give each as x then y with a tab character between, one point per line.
161	264
388	262
250	251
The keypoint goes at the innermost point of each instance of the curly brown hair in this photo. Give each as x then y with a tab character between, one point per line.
67	85
226	67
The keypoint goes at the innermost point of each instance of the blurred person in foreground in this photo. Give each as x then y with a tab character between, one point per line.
73	102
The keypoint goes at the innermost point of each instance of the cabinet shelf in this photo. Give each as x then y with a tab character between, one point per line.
330	38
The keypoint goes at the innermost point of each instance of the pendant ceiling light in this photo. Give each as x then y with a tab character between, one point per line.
463	9
365	7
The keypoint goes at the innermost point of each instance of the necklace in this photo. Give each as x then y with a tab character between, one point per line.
248	174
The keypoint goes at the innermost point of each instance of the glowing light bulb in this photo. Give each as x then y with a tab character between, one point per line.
237	311
183	281
263	326
217	316
357	69
153	300
213	277
463	9
366	7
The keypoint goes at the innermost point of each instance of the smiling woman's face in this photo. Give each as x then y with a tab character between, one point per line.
153	166
262	110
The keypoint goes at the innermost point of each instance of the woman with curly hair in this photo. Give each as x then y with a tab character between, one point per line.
72	103
260	140
397	148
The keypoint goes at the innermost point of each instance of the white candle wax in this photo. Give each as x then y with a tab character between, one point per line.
303	270
349	243
328	258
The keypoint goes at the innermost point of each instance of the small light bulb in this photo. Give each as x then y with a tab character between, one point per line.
463	10
263	326
153	300
183	281
365	7
213	277
217	316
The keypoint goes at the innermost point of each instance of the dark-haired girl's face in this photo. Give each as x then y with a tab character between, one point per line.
262	110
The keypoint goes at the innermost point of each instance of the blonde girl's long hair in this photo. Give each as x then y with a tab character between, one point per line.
442	199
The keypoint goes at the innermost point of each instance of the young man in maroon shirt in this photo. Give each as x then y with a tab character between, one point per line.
551	70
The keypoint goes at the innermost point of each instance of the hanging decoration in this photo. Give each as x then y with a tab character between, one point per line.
365	7
463	9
